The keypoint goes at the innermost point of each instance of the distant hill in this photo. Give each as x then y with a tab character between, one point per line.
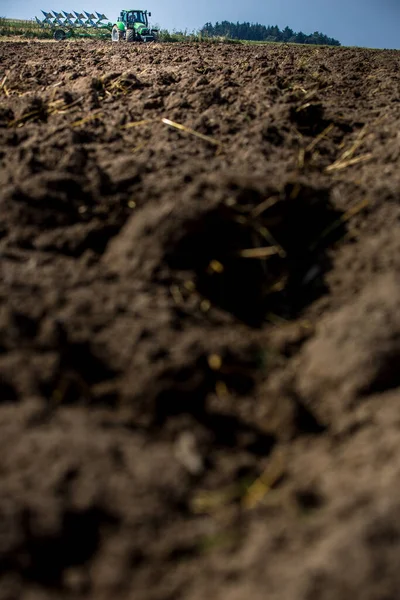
260	33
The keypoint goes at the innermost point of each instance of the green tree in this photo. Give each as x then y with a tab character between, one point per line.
260	33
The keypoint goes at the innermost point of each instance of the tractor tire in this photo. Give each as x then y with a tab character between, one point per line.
59	35
130	35
115	34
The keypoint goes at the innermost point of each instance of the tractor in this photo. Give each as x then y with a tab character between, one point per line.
133	26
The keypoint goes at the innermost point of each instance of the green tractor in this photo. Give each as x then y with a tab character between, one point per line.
133	26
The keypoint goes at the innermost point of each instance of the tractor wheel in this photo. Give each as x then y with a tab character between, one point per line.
115	34
130	35
59	35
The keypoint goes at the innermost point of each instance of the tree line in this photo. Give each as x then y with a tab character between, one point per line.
260	33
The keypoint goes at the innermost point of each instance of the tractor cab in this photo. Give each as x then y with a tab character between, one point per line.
129	17
136	16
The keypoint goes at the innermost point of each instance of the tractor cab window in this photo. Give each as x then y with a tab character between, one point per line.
136	17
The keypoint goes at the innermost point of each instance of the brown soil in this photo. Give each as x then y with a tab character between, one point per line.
199	336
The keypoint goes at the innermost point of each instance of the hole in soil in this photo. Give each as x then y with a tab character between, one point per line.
185	391
305	421
309	499
75	544
36	110
7	392
252	259
182	553
309	119
381	534
80	359
387	376
6	115
51	201
79	370
95	240
25	325
273	134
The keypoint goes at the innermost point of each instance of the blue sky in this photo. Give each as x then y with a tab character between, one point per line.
371	23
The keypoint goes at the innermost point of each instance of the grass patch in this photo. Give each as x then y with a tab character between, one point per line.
27	29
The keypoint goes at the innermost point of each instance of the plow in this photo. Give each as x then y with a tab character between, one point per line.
131	26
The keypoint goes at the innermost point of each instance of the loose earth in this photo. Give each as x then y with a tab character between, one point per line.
199	322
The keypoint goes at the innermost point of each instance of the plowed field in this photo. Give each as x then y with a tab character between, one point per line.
199	322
